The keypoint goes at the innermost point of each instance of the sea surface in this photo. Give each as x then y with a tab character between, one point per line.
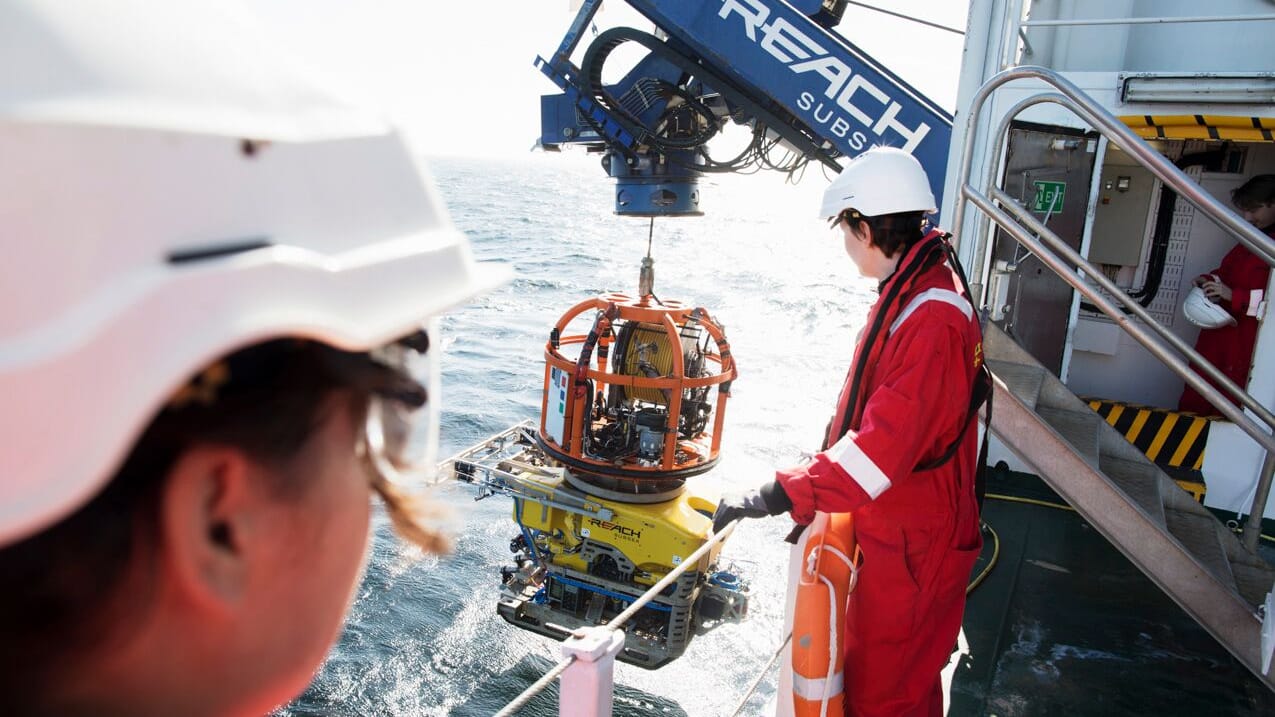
423	637
1064	624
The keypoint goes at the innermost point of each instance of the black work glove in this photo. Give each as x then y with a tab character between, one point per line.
770	499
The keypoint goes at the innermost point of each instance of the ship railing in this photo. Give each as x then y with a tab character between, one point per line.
1015	27
1014	219
587	669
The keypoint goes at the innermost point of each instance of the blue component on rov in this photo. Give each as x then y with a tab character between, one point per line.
730	581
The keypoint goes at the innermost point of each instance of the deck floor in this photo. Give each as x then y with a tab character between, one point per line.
1066	625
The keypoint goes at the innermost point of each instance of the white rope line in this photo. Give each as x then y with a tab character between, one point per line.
521	700
693	559
673	575
760	676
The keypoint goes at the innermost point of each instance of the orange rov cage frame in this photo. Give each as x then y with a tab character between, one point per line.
643	417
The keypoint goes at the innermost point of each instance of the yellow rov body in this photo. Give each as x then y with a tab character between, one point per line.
641	542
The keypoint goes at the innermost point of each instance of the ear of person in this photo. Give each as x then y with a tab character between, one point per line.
208	515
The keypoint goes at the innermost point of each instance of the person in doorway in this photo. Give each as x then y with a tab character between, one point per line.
207	346
899	454
1239	287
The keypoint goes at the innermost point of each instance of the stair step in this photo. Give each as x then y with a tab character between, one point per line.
1199	534
1022	380
1253	581
1253	576
1079	428
1139	481
1122	478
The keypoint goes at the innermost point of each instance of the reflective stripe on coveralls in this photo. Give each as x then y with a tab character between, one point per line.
945	295
828	576
846	453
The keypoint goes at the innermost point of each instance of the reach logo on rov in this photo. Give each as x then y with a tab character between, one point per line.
617	528
788	44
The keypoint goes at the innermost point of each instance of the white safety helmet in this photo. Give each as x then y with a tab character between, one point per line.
1202	312
882	180
171	190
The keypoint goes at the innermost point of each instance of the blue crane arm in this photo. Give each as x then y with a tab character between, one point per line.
774	65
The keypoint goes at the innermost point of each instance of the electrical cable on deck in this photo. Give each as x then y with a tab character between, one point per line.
1028	501
991	563
1235	527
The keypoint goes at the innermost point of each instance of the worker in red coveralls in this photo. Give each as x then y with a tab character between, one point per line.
1239	286
898	454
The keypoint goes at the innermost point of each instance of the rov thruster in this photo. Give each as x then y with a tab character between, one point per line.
632	407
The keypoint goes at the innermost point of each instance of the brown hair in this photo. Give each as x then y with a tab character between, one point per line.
64	583
891	233
1258	190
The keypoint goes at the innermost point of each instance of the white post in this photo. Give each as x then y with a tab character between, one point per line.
586	684
783	698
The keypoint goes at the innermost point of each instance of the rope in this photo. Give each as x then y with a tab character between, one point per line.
521	700
620	619
672	576
764	671
917	20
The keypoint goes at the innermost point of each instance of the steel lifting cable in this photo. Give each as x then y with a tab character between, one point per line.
760	675
910	18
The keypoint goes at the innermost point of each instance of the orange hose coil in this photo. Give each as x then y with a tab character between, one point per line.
829	570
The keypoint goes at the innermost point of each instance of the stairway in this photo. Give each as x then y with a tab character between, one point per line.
1170	537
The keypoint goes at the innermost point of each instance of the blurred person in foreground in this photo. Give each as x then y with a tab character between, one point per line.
214	346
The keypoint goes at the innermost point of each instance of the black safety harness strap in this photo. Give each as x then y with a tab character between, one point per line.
924	259
980	391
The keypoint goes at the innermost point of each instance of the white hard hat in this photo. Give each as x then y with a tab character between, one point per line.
1202	312
165	202
882	180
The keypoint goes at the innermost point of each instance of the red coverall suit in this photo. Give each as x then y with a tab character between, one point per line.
918	529
1230	348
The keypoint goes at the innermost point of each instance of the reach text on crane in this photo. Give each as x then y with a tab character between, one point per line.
802	54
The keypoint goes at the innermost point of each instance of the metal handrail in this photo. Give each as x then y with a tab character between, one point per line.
1015	27
1098	277
1144	20
1075	100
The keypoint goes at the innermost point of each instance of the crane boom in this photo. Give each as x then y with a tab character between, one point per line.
772	65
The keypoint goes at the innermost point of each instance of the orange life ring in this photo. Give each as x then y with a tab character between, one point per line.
829	569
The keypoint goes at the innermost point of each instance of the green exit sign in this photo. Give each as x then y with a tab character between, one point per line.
1049	197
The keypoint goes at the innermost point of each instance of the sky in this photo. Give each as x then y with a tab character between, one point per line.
458	76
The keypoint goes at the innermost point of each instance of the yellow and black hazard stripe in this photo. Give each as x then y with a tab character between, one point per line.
1240	129
1169	438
